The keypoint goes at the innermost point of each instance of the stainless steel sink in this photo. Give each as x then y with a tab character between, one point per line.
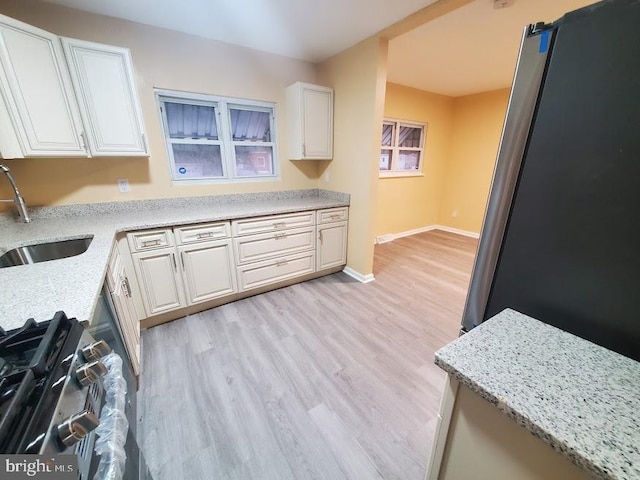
44	252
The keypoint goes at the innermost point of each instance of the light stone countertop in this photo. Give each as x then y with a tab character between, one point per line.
578	397
73	284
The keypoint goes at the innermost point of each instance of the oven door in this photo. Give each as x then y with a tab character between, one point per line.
104	326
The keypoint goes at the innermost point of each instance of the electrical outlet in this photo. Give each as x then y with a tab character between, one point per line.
326	176
123	185
454	214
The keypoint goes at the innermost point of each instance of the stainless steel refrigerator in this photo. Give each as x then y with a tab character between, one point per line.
561	235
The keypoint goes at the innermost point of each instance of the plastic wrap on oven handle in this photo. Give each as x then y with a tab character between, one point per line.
113	428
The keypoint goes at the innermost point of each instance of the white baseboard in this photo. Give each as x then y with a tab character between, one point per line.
390	237
415	231
387	237
358	276
457	231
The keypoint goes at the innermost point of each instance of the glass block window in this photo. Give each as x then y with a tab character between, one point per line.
216	138
402	147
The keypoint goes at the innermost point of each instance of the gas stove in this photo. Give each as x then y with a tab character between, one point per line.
50	393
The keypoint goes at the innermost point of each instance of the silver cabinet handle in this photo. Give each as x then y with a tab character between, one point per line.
127	287
175	265
279	225
84	142
150	243
182	259
320	236
204	235
280	236
281	263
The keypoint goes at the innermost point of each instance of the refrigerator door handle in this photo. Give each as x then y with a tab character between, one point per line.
530	68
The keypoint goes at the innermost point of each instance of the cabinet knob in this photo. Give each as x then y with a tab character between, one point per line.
90	373
76	427
96	351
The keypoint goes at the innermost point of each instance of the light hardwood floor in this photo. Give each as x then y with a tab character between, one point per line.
328	379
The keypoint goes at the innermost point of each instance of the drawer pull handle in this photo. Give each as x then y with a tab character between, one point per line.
279	225
335	216
127	287
150	243
175	265
205	235
281	263
279	236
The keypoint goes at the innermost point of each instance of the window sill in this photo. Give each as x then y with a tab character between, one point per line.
226	181
400	174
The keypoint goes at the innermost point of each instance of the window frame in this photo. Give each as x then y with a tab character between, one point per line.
395	149
222	108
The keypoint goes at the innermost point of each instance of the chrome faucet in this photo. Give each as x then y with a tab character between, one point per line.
18	200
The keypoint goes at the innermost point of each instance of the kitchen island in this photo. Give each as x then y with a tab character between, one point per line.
576	397
73	284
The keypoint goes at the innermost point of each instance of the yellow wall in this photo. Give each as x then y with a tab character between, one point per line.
408	203
477	125
463	136
163	59
358	76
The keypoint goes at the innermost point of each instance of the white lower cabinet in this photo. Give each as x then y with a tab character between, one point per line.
183	266
208	270
332	237
121	295
161	286
332	245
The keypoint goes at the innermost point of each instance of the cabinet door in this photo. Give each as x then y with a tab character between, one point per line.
127	319
208	270
37	91
105	86
317	122
310	120
332	245
157	273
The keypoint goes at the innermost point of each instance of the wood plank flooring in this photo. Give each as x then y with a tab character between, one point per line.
328	379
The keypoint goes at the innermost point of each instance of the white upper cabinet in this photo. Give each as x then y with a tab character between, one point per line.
39	111
66	97
104	83
310	120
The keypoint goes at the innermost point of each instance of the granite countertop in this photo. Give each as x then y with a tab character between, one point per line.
73	284
578	397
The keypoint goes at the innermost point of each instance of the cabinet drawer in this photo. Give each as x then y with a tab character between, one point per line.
260	274
272	223
268	245
333	215
202	233
150	240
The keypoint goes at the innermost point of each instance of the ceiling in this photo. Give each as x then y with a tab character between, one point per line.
472	49
306	29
